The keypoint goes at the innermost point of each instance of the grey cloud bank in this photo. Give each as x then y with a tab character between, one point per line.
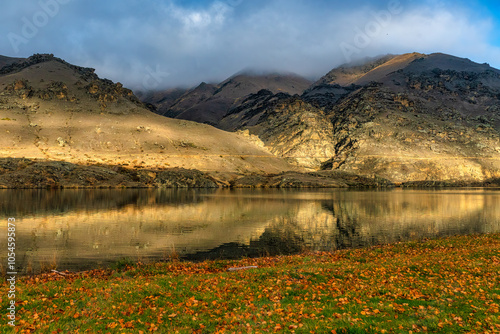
157	44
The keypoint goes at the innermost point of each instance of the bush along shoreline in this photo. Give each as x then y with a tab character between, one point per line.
34	174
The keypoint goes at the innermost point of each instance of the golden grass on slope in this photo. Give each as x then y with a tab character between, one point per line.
80	124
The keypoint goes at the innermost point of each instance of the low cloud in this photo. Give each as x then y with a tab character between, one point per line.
157	44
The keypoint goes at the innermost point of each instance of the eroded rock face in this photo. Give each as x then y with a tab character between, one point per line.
287	126
20	88
421	123
410	118
396	141
106	92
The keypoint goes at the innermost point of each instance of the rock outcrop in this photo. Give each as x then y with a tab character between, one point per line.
288	126
410	118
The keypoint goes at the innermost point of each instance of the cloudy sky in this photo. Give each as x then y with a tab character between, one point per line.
154	44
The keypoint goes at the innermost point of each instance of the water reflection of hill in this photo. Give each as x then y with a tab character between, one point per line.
358	219
144	224
138	226
33	202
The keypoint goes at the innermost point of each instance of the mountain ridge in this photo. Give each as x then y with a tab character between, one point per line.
405	118
208	103
51	110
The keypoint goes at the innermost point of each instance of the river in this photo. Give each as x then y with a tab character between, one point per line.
84	229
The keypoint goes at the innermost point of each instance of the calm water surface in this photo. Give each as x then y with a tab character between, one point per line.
83	229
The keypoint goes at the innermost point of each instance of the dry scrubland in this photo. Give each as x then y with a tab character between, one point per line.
51	111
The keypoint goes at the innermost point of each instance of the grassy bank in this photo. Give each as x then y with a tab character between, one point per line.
447	286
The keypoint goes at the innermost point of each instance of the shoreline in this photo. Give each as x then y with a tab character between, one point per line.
125	264
439	285
34	174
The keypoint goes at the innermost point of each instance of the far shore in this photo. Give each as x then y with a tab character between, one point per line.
35	174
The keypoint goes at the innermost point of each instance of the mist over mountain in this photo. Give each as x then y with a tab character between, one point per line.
406	118
51	110
411	118
208	103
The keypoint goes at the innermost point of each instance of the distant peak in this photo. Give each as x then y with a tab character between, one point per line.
366	60
204	86
252	72
377	69
42	58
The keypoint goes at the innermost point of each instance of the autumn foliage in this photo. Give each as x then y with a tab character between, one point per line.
438	286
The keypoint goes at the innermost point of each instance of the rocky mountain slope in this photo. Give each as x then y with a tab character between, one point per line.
161	101
288	126
408	118
414	119
52	110
208	103
4	61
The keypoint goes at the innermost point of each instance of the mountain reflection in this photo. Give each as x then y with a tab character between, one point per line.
82	229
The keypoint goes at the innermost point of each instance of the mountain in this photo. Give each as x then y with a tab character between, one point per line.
208	103
287	125
194	101
371	70
414	119
407	118
51	110
161	101
4	61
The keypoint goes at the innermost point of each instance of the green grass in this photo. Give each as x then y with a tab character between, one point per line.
438	286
